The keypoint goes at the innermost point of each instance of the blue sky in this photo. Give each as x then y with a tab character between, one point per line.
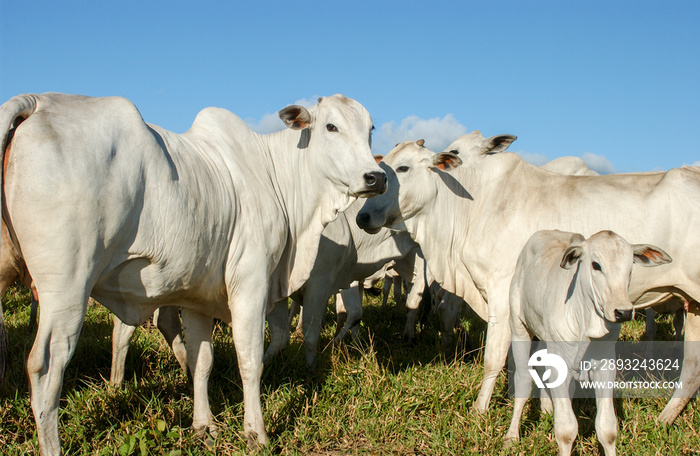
616	82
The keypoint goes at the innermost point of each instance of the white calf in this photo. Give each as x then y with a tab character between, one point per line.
567	291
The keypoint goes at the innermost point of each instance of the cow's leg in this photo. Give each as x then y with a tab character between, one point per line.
313	313
121	336
62	316
278	323
413	300
651	323
34	308
198	330
690	374
496	350
523	383
349	301
546	405
386	289
565	424
8	274
299	330
605	419
678	323
294	308
167	320
248	307
399	297
449	309
650	332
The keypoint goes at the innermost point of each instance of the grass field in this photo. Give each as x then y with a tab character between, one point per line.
379	395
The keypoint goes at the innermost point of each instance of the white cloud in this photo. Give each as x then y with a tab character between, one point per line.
271	123
438	133
533	158
599	163
306	102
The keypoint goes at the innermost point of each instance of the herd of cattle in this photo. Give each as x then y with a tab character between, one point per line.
221	222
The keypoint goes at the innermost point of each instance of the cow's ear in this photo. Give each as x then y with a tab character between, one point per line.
295	117
650	255
571	257
378	158
445	160
498	143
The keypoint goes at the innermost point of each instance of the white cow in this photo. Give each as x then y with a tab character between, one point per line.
347	256
219	220
472	222
166	319
471	149
568	291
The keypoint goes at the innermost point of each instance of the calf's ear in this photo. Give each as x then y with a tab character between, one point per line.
295	117
571	257
650	255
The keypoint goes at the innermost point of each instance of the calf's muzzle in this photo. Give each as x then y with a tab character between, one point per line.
623	315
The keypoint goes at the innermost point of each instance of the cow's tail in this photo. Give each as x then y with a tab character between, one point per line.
12	113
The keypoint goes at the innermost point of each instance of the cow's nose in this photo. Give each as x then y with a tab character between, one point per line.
623	315
376	181
362	220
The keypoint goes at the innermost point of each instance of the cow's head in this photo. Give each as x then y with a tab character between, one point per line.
473	147
337	134
604	263
411	170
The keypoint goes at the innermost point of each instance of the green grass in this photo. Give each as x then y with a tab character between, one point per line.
380	395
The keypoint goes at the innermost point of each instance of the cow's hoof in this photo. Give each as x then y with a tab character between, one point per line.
509	442
208	433
251	441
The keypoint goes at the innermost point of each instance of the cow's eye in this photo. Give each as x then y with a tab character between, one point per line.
596	266
402	169
331	127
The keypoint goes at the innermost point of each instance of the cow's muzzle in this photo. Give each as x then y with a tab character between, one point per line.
364	221
623	315
375	183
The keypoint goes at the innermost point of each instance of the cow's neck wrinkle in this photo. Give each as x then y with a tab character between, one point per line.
308	203
441	229
580	311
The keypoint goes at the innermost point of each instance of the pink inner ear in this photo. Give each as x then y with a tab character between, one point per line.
378	158
441	165
652	254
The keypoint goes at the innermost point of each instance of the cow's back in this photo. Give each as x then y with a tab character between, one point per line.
515	199
141	199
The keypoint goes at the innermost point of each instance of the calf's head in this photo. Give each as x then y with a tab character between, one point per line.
604	263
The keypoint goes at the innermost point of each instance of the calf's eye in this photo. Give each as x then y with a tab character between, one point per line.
596	266
331	127
402	169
